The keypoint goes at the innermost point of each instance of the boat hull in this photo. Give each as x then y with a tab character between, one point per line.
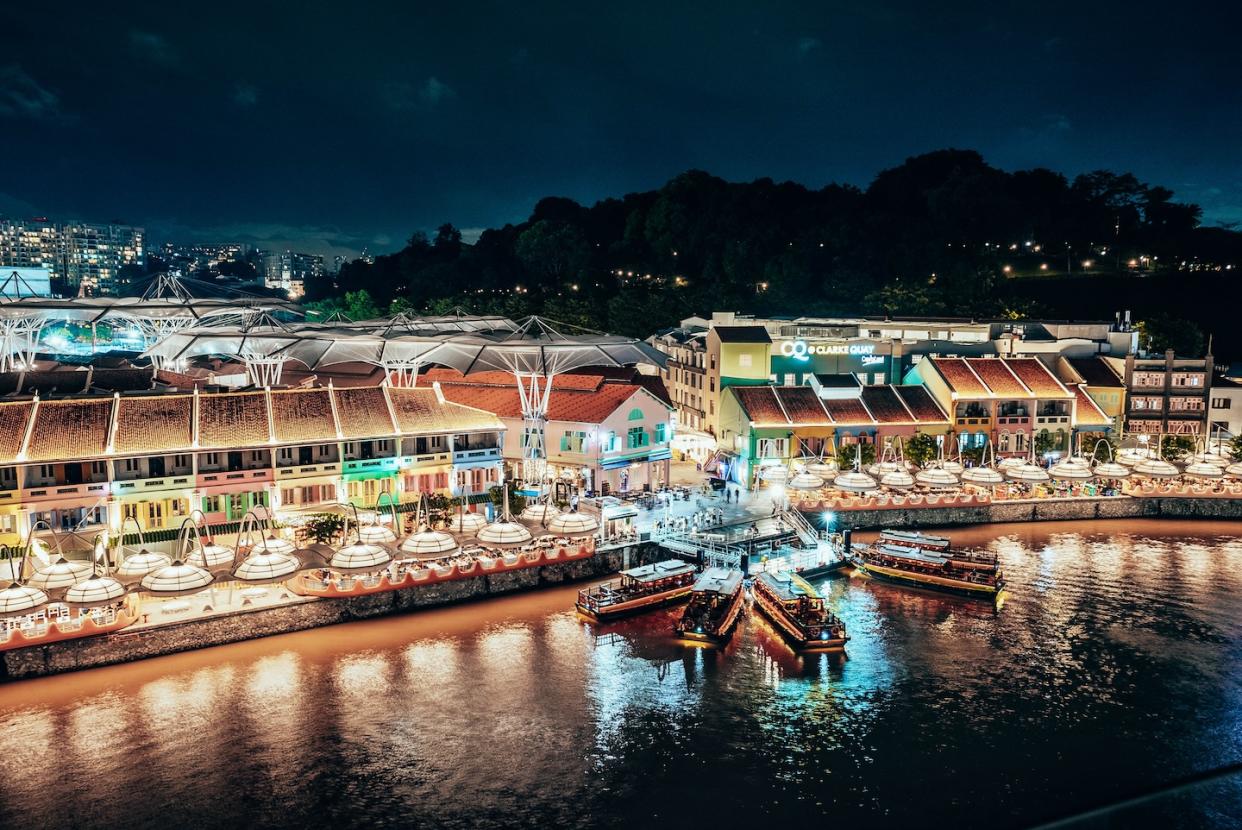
793	633
638	605
928	581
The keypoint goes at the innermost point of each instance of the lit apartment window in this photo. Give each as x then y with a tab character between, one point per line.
1222	403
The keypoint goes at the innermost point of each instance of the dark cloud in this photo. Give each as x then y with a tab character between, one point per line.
245	95
153	47
21	96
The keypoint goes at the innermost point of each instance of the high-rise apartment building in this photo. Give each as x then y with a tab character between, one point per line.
289	271
82	257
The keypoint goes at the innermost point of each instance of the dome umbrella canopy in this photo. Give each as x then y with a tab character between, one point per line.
1069	471
823	469
1235	469
936	477
539	512
429	544
1111	469
1155	468
899	479
20	599
854	481
273	545
504	533
466	522
573	524
93	592
267	566
1204	469
360	557
211	556
60	574
1011	461
376	534
1133	455
982	475
177	579
135	567
806	481
1028	473
952	467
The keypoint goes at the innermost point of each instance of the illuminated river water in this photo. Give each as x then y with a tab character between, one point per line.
1116	666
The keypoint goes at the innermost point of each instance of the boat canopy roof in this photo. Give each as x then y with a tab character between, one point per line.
915	554
914	536
719	580
659	570
788	586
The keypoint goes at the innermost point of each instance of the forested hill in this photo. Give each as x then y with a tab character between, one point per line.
942	233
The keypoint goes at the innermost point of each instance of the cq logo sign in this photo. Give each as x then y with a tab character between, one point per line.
796	349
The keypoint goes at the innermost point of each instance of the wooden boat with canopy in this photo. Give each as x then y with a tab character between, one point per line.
639	589
799	612
716	605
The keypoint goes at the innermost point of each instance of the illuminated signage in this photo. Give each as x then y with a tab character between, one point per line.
802	350
872	359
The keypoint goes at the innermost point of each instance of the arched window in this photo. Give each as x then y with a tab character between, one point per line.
1003	443
1019	441
636	414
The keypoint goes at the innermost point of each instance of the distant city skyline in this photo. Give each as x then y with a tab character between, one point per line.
375	123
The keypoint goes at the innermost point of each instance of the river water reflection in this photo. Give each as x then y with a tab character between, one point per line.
1115	666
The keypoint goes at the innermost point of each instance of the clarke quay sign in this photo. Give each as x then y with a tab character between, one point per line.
802	350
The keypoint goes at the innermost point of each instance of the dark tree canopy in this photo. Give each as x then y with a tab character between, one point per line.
941	233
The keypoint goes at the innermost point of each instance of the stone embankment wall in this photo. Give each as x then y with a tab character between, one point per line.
1040	510
127	646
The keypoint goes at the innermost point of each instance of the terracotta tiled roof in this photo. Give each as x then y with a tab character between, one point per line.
70	429
922	404
848	411
885	406
303	415
959	377
363	412
13	420
998	377
154	424
1088	412
802	405
419	411
1037	378
235	419
759	402
578	406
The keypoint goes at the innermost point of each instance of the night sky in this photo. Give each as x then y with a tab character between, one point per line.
336	126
